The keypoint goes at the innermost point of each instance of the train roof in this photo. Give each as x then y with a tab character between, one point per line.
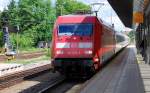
72	15
90	16
76	19
87	15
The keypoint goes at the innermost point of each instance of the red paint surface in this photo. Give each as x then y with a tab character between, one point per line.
102	39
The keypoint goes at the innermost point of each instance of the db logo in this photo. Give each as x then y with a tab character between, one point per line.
74	45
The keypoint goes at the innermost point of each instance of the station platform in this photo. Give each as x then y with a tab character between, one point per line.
4	65
124	74
7	69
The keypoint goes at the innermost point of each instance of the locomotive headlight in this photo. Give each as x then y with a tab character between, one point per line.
96	59
88	52
59	52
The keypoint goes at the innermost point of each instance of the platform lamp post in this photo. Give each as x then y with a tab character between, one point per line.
96	7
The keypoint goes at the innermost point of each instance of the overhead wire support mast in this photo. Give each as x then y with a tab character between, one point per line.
96	7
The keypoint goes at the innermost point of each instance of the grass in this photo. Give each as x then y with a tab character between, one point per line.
32	49
29	61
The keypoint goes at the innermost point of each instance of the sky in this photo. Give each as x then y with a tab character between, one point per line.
3	3
106	12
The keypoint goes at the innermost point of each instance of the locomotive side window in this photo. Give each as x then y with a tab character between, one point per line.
120	38
75	29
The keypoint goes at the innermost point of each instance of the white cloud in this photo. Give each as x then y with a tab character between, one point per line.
3	4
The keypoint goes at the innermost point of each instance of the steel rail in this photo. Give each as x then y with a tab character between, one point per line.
17	77
54	83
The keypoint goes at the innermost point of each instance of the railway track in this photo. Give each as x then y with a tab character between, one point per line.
12	79
66	86
77	86
46	81
2	58
30	55
53	84
49	83
24	56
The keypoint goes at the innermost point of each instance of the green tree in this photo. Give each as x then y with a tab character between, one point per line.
4	17
0	20
3	21
34	17
37	15
131	35
64	7
13	12
1	38
1	33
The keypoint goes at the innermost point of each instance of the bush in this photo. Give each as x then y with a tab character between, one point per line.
24	41
1	39
48	52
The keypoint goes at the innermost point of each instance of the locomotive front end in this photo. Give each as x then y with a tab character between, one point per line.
74	41
73	47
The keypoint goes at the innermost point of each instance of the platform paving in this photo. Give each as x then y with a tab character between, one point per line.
4	65
121	75
6	69
145	73
9	68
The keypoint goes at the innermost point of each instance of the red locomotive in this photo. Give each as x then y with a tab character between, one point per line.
82	43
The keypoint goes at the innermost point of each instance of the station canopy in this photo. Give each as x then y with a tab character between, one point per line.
129	11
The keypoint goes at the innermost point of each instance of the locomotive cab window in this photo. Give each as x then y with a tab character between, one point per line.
75	29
